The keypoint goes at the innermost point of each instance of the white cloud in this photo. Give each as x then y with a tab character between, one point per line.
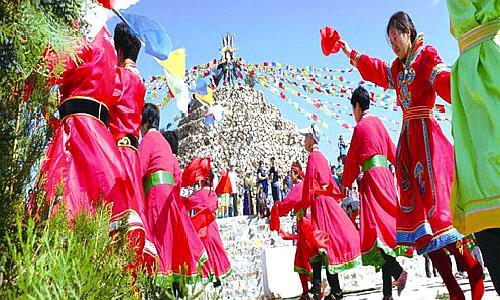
435	2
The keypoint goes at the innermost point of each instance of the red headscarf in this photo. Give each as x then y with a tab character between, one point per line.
198	169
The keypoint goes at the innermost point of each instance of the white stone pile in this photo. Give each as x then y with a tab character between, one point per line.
252	130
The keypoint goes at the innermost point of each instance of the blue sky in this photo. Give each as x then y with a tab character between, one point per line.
288	32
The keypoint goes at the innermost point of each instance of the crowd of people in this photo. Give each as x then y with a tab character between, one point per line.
107	147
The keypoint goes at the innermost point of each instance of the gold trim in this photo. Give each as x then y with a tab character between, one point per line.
479	34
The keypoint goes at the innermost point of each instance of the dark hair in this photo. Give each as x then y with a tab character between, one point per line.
172	139
126	41
209	179
360	96
401	21
150	116
297	164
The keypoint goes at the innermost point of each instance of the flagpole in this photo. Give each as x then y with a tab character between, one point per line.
119	15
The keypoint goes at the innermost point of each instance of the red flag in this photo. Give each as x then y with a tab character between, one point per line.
107	3
224	186
330	41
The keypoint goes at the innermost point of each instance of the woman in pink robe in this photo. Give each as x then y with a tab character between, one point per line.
124	125
424	156
179	248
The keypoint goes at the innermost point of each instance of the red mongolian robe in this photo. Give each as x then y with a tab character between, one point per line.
343	250
219	265
371	151
424	157
179	248
82	158
124	124
305	249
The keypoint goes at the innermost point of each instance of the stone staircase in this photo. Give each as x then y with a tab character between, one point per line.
244	238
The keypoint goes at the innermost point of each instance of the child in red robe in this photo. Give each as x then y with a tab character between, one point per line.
204	198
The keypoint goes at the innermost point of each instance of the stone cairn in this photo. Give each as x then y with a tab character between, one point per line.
252	130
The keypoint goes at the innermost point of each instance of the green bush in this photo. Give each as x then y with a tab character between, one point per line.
57	260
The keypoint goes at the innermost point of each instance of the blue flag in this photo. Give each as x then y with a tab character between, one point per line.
151	33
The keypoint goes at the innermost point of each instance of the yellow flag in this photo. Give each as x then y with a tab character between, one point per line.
208	98
175	63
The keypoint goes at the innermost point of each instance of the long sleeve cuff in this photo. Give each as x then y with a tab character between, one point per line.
354	57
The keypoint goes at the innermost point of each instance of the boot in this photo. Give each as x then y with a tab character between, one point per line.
401	282
440	261
473	268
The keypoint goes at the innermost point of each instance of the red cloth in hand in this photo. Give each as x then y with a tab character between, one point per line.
274	222
201	220
330	40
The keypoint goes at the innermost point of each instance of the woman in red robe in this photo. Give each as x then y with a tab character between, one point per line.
124	125
321	193
179	248
371	151
82	157
424	156
204	198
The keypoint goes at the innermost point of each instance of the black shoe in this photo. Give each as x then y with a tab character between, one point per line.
335	296
315	291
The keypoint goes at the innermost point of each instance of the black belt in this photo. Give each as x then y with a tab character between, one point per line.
87	106
129	140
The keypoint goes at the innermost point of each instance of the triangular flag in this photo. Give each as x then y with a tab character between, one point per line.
175	63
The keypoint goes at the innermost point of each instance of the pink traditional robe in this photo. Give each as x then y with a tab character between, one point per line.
179	248
343	247
377	190
124	125
82	156
219	265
